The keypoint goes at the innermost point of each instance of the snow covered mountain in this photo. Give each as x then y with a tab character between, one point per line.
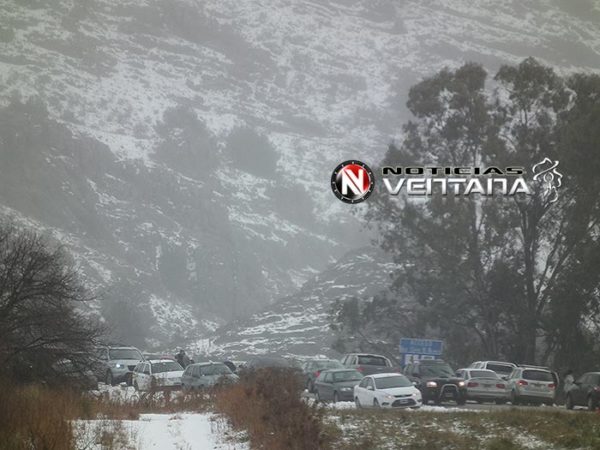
299	324
182	149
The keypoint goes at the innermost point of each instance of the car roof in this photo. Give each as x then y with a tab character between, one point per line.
347	369
430	361
207	363
154	361
321	359
499	362
386	375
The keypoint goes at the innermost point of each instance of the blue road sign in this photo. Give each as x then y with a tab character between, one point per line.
421	346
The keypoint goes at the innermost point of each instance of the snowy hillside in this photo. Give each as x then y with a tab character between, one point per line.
182	149
299	324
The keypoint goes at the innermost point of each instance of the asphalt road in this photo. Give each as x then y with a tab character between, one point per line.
474	406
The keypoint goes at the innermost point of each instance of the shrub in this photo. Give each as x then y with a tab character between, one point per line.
267	405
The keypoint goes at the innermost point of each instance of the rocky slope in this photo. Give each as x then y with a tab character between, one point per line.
182	149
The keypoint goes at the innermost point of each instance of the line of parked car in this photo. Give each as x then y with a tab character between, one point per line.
368	380
373	381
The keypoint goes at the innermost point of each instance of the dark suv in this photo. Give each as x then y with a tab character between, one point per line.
437	381
585	392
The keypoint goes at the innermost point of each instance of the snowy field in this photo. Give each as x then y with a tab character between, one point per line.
188	431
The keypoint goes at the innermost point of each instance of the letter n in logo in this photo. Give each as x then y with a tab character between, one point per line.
352	181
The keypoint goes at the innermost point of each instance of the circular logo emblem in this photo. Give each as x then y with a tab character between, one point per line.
352	181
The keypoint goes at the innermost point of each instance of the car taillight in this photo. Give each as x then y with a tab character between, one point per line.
551	386
500	386
317	373
360	369
522	383
597	388
472	384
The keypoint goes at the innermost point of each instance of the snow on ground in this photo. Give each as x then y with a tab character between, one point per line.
161	431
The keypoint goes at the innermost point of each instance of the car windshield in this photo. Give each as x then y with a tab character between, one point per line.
483	374
500	368
216	369
437	370
396	381
537	375
328	364
166	366
372	360
125	353
347	375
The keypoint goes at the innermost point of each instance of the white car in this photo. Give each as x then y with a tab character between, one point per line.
387	390
484	385
160	374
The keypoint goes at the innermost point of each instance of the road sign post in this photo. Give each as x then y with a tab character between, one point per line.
412	349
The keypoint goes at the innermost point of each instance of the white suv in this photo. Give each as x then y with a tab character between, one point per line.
531	384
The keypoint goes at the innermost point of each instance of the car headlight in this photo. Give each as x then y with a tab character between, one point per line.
461	384
118	366
431	384
345	389
389	397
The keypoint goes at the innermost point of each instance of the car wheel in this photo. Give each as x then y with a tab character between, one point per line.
109	378
135	386
513	398
357	403
335	397
500	402
569	402
461	401
591	403
311	387
376	403
317	397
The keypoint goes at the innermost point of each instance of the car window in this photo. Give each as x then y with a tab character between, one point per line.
373	360
500	368
437	370
347	375
396	381
370	382
327	364
215	369
165	366
537	375
328	377
363	383
147	369
483	374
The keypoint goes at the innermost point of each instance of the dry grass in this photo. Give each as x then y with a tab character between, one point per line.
36	417
268	407
508	429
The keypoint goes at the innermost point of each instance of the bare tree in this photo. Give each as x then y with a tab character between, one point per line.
41	321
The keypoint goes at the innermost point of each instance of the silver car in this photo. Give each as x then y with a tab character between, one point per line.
483	385
116	364
531	385
203	375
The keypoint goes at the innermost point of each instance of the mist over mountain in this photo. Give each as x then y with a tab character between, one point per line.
182	150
